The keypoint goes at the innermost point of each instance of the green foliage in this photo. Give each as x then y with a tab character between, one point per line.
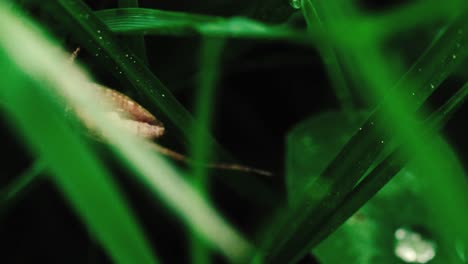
338	163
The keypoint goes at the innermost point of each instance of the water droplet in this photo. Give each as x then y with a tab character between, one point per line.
413	247
99	31
372	123
120	72
382	141
432	86
100	37
296	4
360	128
134	61
97	54
413	93
454	56
126	55
163	95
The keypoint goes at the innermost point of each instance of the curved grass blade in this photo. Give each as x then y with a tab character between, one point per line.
153	21
91	33
76	170
65	80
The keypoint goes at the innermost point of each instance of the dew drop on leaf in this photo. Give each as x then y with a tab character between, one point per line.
413	247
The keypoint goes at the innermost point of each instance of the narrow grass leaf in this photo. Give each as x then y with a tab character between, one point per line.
209	61
76	170
65	80
384	171
153	21
135	43
90	32
293	240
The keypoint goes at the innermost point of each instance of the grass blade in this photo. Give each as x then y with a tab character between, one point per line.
14	190
91	33
88	187
211	51
384	172
153	21
135	43
364	147
64	79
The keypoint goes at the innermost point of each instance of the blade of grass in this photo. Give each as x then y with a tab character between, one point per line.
419	13
315	23
153	21
384	172
135	43
21	184
360	152
90	32
75	169
51	67
211	50
428	160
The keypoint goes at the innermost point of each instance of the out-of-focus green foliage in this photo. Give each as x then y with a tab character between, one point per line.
335	162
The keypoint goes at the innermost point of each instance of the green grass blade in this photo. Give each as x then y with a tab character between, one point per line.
135	43
357	156
64	79
343	92
91	33
76	170
209	61
153	21
419	13
384	172
19	185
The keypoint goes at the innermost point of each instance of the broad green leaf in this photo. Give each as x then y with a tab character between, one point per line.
393	227
384	171
311	146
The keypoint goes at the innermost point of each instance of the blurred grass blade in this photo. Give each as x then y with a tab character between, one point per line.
323	193
209	60
80	174
76	170
342	90
91	33
383	172
135	43
153	21
21	183
418	13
